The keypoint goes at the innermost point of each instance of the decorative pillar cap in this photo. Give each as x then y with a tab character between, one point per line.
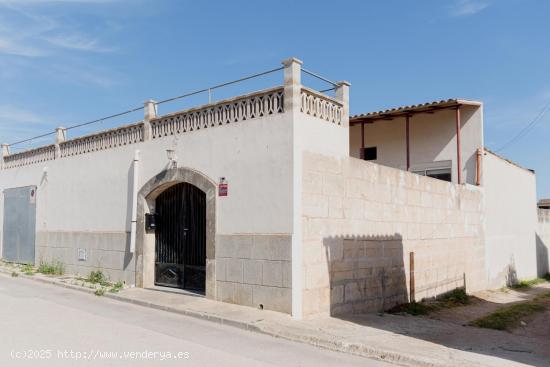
343	82
150	109
5	149
60	134
291	60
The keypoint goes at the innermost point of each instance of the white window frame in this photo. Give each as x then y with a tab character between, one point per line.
422	168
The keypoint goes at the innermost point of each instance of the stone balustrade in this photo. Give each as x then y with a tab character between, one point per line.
255	105
108	139
321	106
31	156
260	104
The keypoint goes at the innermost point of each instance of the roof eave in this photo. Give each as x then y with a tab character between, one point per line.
402	111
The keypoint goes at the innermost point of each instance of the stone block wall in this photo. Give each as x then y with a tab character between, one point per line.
254	270
105	251
362	220
543	242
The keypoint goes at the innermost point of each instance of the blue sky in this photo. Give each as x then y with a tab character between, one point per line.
68	61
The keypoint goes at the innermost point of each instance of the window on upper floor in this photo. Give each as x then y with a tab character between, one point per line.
439	173
369	154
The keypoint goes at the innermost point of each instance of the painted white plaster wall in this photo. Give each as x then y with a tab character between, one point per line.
510	221
432	138
260	158
90	192
312	136
543	242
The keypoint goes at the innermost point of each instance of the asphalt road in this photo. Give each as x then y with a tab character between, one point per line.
45	325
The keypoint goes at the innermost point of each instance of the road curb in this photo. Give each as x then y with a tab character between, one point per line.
342	346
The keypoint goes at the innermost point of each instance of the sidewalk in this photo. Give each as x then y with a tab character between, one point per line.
402	340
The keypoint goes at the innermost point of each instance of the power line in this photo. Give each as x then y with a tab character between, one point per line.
220	85
527	128
160	102
209	90
319	77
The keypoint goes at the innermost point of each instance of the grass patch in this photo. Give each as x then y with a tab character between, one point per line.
507	318
99	291
117	287
14	274
530	282
28	269
413	308
55	268
542	297
454	298
97	277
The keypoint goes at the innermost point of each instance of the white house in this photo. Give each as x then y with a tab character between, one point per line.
261	200
444	139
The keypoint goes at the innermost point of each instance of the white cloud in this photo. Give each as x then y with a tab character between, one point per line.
26	31
10	46
84	75
19	123
76	42
12	114
468	7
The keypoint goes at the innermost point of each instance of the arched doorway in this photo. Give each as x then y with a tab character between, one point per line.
146	239
180	237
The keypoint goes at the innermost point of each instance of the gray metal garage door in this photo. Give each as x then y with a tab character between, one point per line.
19	224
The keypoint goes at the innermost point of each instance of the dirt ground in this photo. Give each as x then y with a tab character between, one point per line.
537	326
486	302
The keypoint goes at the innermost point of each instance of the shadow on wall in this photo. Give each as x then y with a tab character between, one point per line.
366	273
451	330
543	267
511	275
127	254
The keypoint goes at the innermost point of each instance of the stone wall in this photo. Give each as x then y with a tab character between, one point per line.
254	270
107	251
361	221
543	242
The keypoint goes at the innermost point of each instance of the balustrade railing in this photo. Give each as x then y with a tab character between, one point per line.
247	107
125	135
321	106
264	103
31	156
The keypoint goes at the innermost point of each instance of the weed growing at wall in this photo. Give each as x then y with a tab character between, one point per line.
100	282
99	291
454	298
97	277
117	287
55	268
28	269
530	282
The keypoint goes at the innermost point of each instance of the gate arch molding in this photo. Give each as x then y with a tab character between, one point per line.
145	240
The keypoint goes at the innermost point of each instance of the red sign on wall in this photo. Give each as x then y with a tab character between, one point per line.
223	187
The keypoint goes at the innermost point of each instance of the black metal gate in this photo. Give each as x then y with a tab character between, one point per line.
180	238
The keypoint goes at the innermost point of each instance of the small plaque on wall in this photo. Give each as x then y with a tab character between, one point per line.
82	254
223	187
